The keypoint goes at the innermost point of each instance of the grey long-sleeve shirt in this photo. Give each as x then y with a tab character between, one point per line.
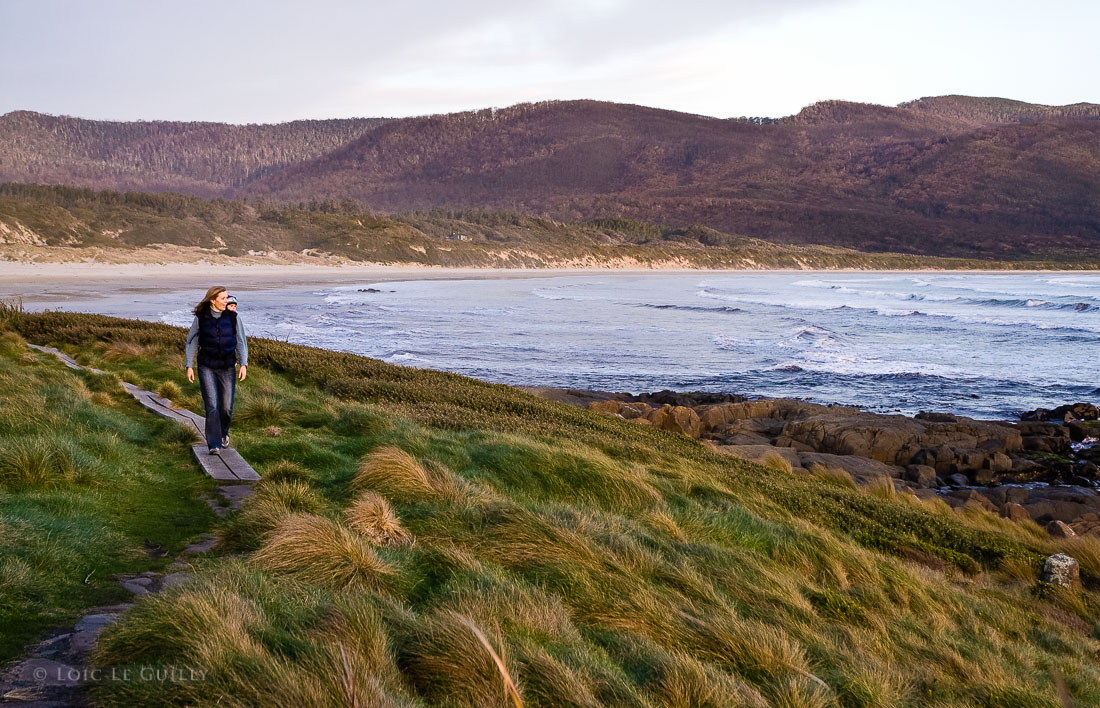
193	340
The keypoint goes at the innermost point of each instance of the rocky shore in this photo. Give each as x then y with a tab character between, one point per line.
1042	468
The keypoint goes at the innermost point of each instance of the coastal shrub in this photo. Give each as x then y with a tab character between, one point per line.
372	516
318	550
395	474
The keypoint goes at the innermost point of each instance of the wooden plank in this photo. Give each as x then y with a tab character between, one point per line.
213	465
65	358
228	466
238	465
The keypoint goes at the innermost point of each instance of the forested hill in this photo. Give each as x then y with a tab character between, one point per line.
952	175
201	159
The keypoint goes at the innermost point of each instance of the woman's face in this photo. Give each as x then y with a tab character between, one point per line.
219	301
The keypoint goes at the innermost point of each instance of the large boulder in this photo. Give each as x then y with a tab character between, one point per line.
678	419
881	438
1060	529
921	475
1014	512
1062	570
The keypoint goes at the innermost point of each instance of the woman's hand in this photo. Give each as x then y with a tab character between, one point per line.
190	375
243	372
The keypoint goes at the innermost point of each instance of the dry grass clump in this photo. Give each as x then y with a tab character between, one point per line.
120	350
318	550
287	471
881	487
395	474
777	462
449	664
373	517
170	390
11	344
836	476
263	511
101	398
679	680
262	409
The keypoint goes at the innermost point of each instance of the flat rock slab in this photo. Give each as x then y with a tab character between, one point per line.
228	466
202	544
236	493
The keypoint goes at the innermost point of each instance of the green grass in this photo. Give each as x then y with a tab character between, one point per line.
609	563
85	487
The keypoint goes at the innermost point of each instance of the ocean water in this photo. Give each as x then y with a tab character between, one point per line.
988	345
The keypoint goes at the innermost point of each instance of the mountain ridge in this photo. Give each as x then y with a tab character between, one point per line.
948	175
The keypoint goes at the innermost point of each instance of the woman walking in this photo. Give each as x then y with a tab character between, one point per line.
218	334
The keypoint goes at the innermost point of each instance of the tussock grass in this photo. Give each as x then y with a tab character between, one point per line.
881	487
287	471
608	563
262	512
261	410
373	517
124	351
447	664
170	390
835	476
318	550
775	461
396	474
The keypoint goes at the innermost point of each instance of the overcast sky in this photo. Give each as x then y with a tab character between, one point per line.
273	60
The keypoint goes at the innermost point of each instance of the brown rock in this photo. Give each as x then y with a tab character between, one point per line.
1059	529
1045	511
678	419
921	475
606	407
1015	512
969	496
999	462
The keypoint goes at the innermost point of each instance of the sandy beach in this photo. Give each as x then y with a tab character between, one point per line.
34	282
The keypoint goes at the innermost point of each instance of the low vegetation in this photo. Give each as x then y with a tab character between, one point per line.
68	224
408	521
90	486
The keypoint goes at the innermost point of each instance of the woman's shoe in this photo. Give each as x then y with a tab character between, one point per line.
225	441
215	451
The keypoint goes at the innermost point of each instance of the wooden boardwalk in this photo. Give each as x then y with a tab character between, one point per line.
228	466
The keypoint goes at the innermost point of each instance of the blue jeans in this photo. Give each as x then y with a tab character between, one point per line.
218	387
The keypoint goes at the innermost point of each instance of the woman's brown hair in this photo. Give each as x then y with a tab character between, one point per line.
210	295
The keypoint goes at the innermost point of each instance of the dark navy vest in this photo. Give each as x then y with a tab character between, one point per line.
217	340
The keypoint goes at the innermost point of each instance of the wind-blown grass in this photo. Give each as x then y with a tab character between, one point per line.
609	564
